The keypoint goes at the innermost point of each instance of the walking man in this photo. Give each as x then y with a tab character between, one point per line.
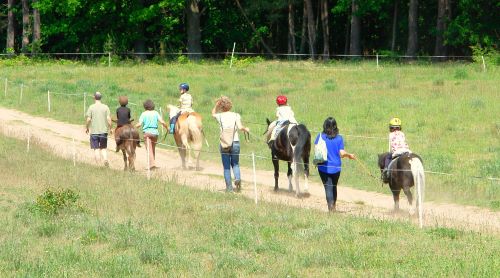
99	122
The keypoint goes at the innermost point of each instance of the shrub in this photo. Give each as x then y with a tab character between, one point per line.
491	55
53	201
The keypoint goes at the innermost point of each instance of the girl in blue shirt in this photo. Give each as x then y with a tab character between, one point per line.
149	120
329	171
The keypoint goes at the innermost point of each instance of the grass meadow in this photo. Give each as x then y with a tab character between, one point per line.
116	224
449	110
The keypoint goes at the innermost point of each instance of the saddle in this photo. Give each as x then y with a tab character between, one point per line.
386	174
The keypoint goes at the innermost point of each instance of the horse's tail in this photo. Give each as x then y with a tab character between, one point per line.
417	171
195	130
303	145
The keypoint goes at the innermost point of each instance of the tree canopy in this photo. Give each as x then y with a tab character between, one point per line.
262	26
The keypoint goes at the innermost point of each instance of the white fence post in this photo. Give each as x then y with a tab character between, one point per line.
21	96
161	115
148	146
109	59
484	63
48	100
377	60
254	177
74	151
232	55
29	137
420	204
84	103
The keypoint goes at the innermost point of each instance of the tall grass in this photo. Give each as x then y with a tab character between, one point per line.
449	111
123	225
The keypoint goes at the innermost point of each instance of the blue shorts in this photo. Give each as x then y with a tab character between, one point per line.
99	141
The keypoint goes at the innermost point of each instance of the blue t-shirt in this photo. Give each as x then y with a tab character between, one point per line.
334	162
149	121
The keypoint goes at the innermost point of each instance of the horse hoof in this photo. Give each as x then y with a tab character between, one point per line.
306	194
411	211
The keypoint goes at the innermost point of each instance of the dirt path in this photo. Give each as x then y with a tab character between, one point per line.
58	136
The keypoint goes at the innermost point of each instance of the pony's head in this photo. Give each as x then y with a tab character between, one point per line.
172	111
381	160
267	131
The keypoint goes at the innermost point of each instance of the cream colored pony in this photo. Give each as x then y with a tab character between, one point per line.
188	135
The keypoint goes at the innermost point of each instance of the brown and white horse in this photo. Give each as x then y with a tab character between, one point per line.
127	140
188	136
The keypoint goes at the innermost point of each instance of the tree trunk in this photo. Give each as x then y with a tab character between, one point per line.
443	17
326	29
193	29
304	30
394	25
37	34
26	26
10	26
347	32
412	28
268	49
355	46
291	30
311	31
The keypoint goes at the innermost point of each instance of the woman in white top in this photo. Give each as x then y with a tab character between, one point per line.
229	123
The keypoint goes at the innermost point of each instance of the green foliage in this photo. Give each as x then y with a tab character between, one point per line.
52	201
490	55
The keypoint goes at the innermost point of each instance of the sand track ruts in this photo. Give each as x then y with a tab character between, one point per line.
57	136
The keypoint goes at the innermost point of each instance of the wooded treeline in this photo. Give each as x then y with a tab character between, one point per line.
326	27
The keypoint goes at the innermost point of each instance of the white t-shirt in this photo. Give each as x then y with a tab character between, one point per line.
285	113
229	120
186	103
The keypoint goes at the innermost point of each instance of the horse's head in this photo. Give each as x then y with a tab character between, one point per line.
381	160
268	122
172	110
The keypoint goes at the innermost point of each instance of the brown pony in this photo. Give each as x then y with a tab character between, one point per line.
188	136
405	171
127	139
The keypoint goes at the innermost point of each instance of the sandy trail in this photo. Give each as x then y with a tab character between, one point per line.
58	137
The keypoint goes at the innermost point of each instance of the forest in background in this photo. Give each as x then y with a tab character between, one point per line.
319	28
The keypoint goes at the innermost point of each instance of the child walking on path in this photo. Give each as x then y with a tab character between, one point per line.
149	120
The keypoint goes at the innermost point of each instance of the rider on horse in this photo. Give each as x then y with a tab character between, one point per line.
285	116
397	146
185	104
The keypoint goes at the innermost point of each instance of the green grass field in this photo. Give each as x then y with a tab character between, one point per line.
123	225
449	110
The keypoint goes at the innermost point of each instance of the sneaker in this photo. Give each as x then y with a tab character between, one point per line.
237	184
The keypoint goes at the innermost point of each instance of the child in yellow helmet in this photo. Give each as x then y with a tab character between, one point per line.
397	144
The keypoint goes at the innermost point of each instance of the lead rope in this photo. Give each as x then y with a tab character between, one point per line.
365	168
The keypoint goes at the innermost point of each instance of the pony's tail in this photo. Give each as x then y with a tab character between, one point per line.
195	131
417	171
302	146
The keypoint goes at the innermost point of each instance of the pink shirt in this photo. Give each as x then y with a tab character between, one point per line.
397	141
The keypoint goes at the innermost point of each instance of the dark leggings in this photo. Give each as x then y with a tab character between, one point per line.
330	183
